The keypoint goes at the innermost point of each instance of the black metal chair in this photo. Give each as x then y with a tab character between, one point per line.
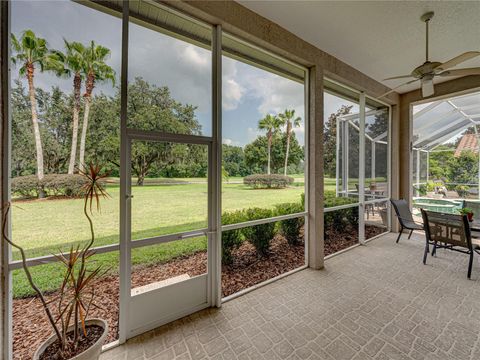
449	231
405	217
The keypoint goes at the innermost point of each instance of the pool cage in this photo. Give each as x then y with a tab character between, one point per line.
375	142
438	123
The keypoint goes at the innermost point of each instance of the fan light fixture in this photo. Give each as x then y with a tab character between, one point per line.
426	72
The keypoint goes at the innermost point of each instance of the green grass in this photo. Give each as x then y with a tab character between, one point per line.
47	226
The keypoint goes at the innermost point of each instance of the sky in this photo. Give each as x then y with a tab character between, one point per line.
248	93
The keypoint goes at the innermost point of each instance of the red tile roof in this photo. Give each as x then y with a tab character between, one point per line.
468	142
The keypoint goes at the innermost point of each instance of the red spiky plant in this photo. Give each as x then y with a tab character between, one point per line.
76	295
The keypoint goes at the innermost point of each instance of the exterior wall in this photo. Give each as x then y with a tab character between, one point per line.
315	167
442	90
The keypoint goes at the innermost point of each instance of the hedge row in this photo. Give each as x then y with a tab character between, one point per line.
50	185
339	219
267	181
260	236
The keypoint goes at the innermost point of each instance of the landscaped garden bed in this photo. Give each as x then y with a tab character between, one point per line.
246	270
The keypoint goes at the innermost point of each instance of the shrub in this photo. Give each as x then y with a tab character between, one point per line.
231	239
52	184
259	235
267	181
290	228
339	219
64	185
26	186
462	190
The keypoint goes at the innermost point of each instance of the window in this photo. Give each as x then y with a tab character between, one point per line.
59	125
263	116
355	192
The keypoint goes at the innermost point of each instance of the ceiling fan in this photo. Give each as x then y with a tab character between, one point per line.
426	72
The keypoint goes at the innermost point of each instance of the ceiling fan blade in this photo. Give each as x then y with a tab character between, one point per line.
398	77
396	87
461	72
427	87
457	60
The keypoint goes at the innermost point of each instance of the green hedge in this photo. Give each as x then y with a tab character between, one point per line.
50	185
260	236
267	181
290	228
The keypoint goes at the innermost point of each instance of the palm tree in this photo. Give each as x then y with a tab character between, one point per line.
270	124
31	52
74	62
288	118
94	70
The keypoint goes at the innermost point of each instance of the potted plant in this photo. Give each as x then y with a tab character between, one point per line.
75	335
467	211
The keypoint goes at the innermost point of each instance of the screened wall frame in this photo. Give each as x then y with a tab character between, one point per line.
438	121
337	89
215	159
258	57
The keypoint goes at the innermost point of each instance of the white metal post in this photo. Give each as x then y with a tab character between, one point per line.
215	214
345	157
478	152
428	165
372	167
125	278
361	171
337	156
418	168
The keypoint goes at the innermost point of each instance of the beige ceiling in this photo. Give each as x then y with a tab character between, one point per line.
380	38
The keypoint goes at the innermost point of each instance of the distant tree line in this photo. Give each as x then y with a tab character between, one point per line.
53	118
148	108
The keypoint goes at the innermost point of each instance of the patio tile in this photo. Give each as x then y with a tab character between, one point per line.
374	302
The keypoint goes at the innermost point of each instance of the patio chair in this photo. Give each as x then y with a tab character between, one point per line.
449	231
405	217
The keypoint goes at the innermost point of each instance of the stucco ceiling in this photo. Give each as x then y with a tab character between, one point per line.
381	38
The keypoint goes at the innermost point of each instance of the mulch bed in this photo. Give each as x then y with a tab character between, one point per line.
248	269
31	327
338	240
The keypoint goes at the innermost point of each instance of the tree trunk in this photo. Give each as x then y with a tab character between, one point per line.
81	163
269	153
77	83
140	179
289	132
36	128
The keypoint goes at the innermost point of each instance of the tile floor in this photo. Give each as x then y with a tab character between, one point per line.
374	302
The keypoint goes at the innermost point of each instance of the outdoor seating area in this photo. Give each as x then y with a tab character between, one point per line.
374	302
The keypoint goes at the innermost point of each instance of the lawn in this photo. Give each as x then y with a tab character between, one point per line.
160	207
47	226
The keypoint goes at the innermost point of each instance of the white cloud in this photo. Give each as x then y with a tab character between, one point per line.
232	91
232	94
275	93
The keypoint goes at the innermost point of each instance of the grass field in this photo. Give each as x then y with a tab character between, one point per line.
47	226
160	207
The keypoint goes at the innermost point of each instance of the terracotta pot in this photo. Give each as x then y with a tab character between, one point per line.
92	353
